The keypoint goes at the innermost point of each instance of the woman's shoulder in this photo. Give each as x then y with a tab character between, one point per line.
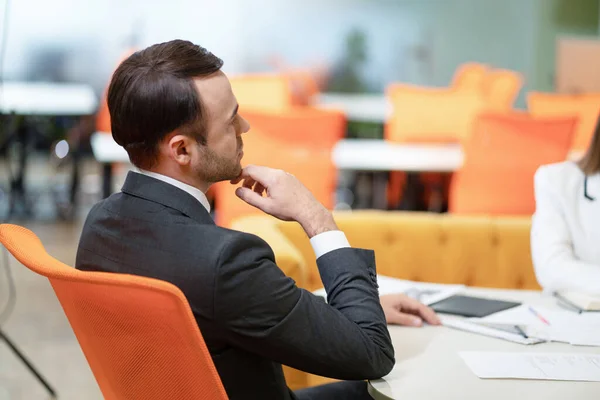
561	172
563	177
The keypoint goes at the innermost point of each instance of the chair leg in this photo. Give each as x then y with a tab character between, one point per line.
28	364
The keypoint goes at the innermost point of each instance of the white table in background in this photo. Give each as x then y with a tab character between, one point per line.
49	99
107	152
428	366
373	108
40	99
382	156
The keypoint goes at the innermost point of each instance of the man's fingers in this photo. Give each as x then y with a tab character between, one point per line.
400	318
429	315
257	173
252	198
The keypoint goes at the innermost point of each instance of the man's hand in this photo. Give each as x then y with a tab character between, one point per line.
400	309
281	195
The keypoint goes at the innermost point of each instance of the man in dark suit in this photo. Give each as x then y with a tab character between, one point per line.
173	110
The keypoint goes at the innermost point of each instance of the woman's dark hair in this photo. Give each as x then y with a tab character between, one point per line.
152	93
590	163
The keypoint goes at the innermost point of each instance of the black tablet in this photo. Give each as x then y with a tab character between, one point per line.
468	306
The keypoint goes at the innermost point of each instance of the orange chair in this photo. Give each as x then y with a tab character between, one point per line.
469	76
300	126
138	334
310	164
434	115
501	159
262	92
439	115
585	106
501	88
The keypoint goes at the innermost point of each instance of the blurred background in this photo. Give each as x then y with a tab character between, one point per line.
440	106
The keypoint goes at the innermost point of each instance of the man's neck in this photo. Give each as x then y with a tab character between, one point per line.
202	186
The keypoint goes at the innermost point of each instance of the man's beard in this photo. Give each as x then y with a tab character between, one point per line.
215	168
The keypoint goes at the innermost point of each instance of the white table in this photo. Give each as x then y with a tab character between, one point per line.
381	155
107	152
428	366
373	108
28	99
50	99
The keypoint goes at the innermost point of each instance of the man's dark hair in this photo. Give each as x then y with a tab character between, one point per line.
152	93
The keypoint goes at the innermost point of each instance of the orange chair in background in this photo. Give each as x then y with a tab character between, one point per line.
501	88
311	165
501	158
469	76
431	115
138	334
585	106
262	92
302	126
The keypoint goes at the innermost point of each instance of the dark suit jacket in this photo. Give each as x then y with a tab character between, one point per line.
252	317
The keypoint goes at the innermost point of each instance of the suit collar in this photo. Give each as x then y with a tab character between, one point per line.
160	192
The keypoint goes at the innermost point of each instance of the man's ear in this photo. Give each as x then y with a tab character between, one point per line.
179	148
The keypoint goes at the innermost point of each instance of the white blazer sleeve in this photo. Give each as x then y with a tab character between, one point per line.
556	265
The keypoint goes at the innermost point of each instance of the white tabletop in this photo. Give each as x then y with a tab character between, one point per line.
428	366
357	107
381	155
28	98
106	150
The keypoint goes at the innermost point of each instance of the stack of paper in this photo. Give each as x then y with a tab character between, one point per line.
562	326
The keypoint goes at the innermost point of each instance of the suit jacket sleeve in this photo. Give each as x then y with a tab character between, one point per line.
264	312
556	266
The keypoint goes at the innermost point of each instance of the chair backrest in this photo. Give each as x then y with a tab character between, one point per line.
501	88
262	92
302	126
432	114
585	106
138	334
469	76
500	161
312	165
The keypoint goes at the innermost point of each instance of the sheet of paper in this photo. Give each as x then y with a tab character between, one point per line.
466	325
426	293
546	366
565	326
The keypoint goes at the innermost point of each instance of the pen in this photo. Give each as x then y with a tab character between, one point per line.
544	320
521	331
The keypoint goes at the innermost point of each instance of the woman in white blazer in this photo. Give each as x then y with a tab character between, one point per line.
565	232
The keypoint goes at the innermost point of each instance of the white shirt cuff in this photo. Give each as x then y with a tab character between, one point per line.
328	241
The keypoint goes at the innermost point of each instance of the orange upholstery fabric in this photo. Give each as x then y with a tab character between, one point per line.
501	158
138	334
585	106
